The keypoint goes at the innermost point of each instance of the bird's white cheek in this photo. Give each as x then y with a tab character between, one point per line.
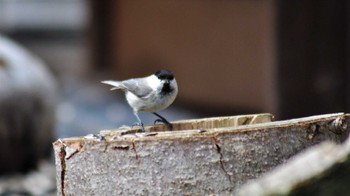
154	82
173	84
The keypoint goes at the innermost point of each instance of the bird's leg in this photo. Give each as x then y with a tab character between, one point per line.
163	120
139	123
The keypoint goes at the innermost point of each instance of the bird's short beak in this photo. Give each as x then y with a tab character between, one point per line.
167	82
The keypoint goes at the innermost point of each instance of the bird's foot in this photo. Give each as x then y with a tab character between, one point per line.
167	123
140	124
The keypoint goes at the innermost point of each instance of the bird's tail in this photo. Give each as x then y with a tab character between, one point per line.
115	84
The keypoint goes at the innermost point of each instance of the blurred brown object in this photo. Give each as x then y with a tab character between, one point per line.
234	56
27	100
221	52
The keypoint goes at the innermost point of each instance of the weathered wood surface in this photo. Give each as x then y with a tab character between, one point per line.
213	159
201	124
322	170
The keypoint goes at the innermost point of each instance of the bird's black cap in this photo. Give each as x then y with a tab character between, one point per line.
164	74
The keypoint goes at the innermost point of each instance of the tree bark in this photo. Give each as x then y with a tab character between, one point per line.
322	170
205	156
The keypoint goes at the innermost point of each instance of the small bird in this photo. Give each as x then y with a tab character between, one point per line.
149	94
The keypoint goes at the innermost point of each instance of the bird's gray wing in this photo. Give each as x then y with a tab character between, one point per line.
138	86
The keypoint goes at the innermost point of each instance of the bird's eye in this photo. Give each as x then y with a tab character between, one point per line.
170	77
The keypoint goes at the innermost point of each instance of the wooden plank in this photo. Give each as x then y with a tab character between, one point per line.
211	160
204	123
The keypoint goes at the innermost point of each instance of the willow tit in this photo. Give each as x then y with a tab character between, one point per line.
149	94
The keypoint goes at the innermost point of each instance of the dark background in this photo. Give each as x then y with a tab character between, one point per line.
230	57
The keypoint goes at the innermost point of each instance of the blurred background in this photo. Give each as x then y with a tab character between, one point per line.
229	57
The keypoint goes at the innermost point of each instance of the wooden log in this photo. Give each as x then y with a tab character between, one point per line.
321	170
214	157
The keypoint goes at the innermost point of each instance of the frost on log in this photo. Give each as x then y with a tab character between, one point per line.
201	156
